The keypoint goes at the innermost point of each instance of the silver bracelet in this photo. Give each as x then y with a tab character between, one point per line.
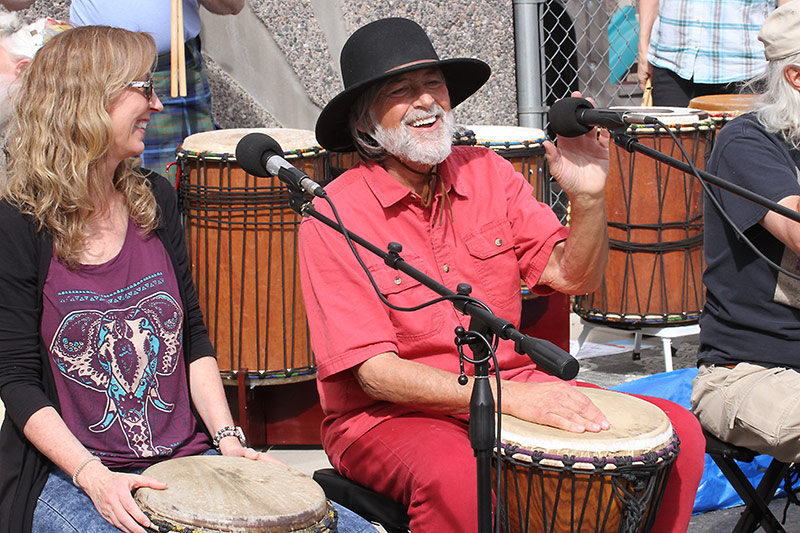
229	431
80	467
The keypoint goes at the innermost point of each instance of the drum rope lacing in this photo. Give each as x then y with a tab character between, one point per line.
640	294
468	138
224	208
599	463
634	482
721	211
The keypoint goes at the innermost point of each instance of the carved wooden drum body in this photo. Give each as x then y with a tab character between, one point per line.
655	228
555	480
242	241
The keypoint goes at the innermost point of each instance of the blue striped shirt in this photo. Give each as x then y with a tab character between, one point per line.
710	41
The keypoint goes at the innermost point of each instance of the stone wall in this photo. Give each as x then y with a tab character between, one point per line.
276	63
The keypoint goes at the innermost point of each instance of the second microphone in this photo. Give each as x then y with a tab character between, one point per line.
261	155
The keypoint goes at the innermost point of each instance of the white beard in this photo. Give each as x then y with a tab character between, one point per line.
424	147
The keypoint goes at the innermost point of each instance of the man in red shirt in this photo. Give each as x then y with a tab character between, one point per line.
396	417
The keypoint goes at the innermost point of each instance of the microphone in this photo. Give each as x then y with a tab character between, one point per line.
544	353
548	356
571	117
261	155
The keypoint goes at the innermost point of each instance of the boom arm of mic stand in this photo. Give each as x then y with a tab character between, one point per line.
545	354
631	144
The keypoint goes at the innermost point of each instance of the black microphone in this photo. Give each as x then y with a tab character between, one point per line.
261	155
548	356
544	353
571	117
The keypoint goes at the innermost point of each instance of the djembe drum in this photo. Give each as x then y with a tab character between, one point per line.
722	108
555	480
242	242
520	146
548	316
655	228
213	493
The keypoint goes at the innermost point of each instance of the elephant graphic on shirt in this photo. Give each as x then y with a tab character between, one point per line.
121	353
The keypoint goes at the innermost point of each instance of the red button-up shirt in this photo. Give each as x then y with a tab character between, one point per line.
499	233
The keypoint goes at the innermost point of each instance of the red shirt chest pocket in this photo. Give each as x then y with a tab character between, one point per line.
402	290
495	261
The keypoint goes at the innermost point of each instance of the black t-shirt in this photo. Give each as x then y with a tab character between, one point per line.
752	313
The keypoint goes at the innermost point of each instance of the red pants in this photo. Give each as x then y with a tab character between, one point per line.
426	462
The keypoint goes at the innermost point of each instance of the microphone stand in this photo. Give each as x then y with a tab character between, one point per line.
484	322
631	144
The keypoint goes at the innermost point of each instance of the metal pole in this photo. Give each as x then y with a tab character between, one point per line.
530	75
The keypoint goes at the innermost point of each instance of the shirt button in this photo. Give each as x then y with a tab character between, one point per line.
446	268
498	242
397	280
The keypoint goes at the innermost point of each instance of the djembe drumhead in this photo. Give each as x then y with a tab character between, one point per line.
213	493
555	480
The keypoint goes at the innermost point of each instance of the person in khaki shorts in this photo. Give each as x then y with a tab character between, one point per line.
747	391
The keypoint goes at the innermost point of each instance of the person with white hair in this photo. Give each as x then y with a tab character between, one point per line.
747	389
18	43
389	380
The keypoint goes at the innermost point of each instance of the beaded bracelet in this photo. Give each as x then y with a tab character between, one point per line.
80	467
229	431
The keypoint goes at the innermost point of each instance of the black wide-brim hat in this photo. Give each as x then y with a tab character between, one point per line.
383	49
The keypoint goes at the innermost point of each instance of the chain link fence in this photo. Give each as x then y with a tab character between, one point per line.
589	46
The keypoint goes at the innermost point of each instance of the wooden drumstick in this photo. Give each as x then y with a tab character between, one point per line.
181	50
173	57
647	97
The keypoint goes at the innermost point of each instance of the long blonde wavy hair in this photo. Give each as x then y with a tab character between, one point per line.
61	131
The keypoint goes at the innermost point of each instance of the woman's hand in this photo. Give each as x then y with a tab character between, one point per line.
111	493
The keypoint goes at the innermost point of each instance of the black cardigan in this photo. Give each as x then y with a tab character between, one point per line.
26	382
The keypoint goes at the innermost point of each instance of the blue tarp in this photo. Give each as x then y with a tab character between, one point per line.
714	492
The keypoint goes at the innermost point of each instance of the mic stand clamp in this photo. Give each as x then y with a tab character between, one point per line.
298	201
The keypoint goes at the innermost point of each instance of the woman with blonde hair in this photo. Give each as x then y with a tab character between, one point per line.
105	362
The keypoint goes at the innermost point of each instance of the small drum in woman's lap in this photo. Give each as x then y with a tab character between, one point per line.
655	228
242	242
555	480
213	493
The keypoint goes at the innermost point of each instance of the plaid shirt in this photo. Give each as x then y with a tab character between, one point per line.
182	115
712	41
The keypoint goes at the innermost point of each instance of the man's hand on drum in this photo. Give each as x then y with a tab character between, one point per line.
580	164
111	493
554	404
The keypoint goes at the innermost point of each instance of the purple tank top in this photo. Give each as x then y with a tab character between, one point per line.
115	337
